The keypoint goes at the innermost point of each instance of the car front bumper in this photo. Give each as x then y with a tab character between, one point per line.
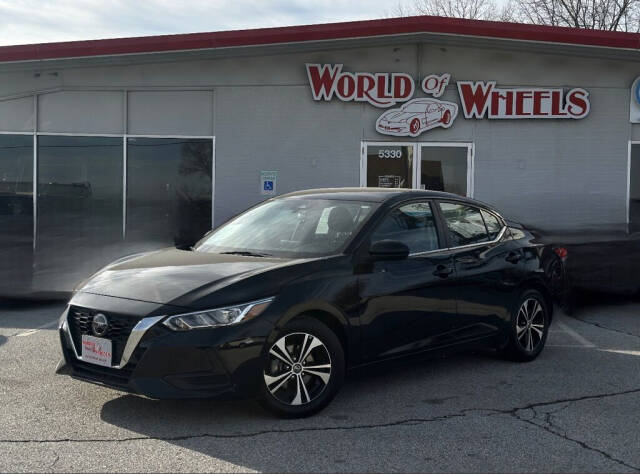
219	362
389	127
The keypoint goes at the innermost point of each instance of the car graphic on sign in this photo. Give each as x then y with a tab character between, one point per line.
417	116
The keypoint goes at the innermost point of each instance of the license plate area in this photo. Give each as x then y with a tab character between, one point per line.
96	350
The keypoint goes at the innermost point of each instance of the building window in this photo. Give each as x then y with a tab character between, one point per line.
168	189
16	210
79	225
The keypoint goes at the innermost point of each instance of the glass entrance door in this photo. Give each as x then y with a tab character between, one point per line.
388	166
633	216
434	166
445	168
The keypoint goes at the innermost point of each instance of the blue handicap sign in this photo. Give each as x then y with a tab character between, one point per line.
268	185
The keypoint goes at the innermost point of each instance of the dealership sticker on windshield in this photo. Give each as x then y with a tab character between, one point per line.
96	350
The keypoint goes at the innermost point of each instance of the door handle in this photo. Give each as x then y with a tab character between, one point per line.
513	257
443	271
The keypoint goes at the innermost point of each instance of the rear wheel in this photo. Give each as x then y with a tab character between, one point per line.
303	369
529	327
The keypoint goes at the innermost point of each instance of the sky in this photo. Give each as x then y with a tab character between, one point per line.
40	21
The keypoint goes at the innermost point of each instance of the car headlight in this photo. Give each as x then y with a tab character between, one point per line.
217	317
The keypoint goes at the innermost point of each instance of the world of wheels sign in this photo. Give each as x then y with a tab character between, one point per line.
413	116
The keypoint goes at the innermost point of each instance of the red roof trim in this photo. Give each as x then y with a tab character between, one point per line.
329	31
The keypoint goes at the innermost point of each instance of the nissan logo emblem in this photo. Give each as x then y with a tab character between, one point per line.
100	325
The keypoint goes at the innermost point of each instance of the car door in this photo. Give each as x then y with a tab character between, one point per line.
433	114
486	268
408	305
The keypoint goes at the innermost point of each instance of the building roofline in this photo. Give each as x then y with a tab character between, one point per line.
320	32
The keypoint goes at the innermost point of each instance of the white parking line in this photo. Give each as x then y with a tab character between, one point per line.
33	331
583	342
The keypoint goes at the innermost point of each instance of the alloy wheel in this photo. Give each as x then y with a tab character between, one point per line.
530	324
298	368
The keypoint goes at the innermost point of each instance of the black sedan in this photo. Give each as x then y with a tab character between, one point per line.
281	300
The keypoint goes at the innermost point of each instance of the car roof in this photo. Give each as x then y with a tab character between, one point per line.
379	195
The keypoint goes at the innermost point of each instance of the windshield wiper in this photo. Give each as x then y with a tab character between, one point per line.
246	253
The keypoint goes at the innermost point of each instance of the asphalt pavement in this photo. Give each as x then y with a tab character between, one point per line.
575	409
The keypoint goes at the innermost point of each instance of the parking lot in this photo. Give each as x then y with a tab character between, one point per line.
576	408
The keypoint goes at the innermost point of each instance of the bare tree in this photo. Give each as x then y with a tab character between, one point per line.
613	15
470	9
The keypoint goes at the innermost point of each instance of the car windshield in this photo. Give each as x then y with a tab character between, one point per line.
414	108
290	227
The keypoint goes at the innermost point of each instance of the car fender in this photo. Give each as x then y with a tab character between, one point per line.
327	312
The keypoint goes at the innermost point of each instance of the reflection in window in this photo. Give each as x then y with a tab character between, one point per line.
444	169
290	228
168	190
465	224
16	211
494	226
413	225
79	207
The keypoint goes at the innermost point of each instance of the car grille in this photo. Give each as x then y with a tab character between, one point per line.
118	332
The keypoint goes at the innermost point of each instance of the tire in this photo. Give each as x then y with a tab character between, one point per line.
526	337
446	118
293	390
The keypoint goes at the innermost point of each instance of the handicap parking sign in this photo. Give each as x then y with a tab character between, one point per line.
268	182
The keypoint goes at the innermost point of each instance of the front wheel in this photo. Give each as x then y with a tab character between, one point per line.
414	127
303	369
529	327
446	118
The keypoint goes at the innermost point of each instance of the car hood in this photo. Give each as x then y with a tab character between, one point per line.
166	275
397	116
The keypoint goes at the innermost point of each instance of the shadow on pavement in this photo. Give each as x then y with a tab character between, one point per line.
419	388
210	426
25	314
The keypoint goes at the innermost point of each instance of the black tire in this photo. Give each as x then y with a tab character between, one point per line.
281	395
519	347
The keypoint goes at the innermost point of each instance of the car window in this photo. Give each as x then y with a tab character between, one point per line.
290	227
465	224
494	226
412	224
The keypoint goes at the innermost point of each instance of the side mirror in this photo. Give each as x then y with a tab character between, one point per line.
389	250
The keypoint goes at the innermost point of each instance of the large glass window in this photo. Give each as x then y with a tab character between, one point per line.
79	224
413	225
16	211
168	190
290	228
465	224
